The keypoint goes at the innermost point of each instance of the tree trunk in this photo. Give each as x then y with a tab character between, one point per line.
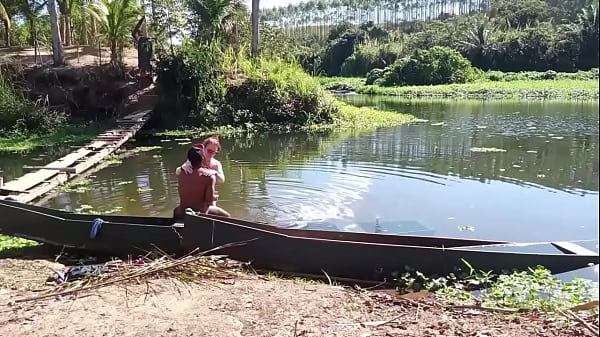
57	52
93	27
61	22
84	34
68	36
7	33
113	51
255	39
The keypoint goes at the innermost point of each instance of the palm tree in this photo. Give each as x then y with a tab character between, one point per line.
116	19
8	9
57	52
213	17
6	21
31	10
67	8
255	17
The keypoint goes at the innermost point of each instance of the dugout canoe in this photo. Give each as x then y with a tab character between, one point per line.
368	256
115	235
364	256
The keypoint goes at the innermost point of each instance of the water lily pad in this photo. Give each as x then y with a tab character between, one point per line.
146	148
486	149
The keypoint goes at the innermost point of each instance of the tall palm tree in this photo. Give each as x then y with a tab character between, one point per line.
8	9
67	8
255	16
6	21
116	19
31	10
57	52
213	17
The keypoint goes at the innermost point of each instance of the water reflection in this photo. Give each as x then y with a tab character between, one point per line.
552	144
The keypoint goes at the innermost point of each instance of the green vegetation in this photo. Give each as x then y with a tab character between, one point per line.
533	289
68	134
78	186
87	209
146	148
11	242
113	159
19	116
534	35
520	89
266	94
438	65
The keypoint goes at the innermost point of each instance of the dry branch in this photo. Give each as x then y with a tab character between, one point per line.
152	270
570	314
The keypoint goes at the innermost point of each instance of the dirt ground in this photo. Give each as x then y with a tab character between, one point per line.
242	305
74	56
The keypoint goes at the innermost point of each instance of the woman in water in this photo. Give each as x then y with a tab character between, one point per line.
210	166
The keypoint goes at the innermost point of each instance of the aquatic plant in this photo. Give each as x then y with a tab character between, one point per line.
78	186
532	289
11	242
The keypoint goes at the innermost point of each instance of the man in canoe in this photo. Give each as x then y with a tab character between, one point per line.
196	188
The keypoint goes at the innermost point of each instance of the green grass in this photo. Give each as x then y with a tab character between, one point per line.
520	89
11	242
71	134
349	117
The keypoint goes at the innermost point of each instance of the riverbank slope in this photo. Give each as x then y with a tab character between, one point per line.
243	305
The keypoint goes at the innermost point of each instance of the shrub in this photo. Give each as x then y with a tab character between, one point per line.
438	65
18	115
189	83
276	92
337	52
374	75
499	76
369	56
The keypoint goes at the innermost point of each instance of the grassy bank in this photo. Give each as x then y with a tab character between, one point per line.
521	89
69	134
348	117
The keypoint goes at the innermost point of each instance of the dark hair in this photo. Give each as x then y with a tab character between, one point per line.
195	156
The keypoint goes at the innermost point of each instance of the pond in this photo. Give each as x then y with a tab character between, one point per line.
525	171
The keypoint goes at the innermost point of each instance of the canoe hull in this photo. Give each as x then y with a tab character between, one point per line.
118	235
281	251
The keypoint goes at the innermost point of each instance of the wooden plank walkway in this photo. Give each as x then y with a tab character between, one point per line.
35	184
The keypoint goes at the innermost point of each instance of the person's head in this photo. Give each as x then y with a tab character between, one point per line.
211	147
195	155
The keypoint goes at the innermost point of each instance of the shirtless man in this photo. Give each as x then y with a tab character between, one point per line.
196	189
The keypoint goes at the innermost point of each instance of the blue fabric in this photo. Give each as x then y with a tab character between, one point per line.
96	226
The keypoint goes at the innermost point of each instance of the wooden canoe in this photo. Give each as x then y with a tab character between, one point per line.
118	235
366	256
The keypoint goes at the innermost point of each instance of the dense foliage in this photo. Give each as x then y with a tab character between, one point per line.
21	116
276	92
271	92
438	65
510	36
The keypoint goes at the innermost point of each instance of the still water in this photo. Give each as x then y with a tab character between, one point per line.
422	178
